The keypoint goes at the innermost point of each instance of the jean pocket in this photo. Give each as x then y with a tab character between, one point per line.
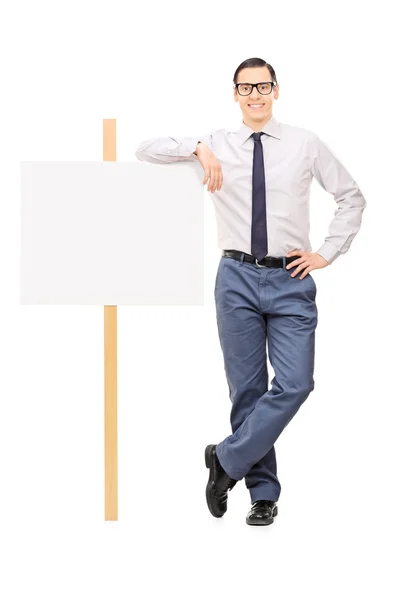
218	275
308	280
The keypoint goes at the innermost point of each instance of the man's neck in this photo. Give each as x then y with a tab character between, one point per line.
257	126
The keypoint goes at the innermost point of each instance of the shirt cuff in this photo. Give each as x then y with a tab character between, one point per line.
188	146
329	252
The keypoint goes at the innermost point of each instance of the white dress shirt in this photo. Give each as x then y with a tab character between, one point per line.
292	157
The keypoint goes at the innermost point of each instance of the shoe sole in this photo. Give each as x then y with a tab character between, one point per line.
209	465
268	522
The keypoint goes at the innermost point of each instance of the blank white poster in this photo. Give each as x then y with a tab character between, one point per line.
112	233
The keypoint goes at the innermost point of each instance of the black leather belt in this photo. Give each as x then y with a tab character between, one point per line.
267	261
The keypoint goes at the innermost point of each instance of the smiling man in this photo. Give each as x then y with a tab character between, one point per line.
260	177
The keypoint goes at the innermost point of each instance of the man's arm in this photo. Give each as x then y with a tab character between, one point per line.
169	149
335	179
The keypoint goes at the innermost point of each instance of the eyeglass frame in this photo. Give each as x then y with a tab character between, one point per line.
253	85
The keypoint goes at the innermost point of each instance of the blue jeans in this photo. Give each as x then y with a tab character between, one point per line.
255	306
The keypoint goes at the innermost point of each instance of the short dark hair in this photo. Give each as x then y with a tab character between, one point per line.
254	62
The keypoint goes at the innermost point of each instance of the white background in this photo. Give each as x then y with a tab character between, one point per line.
167	69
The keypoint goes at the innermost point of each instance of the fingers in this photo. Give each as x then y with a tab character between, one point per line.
220	180
305	273
211	183
214	177
212	180
301	264
293	263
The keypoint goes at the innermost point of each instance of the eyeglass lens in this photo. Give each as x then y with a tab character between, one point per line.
245	89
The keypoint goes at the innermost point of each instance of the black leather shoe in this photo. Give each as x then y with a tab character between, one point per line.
262	512
218	484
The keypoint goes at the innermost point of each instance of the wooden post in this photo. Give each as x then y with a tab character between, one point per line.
110	370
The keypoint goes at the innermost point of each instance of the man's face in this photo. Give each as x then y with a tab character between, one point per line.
255	115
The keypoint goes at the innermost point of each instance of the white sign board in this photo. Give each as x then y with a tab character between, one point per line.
112	233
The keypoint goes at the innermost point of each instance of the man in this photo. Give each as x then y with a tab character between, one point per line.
260	177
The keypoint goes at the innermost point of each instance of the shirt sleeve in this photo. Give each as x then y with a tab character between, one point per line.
335	179
170	149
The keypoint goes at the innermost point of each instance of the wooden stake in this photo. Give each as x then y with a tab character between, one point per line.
110	370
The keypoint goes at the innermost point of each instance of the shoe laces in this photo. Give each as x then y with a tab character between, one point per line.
231	483
262	503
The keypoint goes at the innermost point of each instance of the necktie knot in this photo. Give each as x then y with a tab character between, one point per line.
257	135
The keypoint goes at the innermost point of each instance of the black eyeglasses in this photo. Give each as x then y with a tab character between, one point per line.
264	87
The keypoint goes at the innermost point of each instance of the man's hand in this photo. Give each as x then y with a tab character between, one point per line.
211	166
307	261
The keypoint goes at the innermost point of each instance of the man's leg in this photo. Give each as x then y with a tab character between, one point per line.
289	304
242	333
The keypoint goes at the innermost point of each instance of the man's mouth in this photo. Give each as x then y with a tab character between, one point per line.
255	106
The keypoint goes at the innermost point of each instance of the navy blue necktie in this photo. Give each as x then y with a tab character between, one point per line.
259	245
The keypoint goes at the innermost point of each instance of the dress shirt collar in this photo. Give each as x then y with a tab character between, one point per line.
271	127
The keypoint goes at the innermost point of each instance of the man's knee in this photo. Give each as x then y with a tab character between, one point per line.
302	387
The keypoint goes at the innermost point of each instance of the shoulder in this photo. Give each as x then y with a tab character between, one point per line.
295	132
307	140
220	132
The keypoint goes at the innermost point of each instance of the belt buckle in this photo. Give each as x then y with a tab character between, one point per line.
258	264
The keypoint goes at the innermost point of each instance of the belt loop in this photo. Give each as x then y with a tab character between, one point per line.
284	262
241	258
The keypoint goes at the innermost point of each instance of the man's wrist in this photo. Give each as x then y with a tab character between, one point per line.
328	251
197	145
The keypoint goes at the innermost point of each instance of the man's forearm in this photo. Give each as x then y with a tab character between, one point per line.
169	149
